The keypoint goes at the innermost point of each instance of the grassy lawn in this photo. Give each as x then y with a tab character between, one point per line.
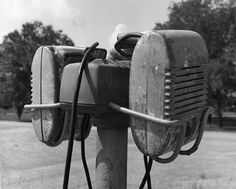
10	115
27	163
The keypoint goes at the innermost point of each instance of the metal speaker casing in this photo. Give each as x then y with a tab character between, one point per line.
52	125
168	80
103	81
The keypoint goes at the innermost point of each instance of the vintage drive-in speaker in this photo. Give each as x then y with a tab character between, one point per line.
168	80
49	120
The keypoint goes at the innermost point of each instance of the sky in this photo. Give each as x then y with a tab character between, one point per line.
85	21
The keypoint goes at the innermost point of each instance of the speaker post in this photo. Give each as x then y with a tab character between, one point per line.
111	158
111	153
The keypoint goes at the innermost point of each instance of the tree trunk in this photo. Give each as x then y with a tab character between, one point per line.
19	111
219	109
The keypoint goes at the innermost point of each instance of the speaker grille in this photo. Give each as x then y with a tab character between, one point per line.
185	91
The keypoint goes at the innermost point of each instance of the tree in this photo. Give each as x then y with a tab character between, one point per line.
16	55
215	21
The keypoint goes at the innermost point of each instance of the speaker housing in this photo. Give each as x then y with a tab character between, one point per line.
51	124
168	80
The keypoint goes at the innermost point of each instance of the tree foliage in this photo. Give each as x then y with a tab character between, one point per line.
16	54
215	21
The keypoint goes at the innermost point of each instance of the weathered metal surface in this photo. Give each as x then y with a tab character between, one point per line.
47	67
147	76
36	92
47	123
167	80
100	84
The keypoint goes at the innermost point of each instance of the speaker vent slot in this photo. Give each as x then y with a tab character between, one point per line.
188	89
190	67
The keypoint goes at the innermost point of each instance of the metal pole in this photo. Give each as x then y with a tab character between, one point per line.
111	159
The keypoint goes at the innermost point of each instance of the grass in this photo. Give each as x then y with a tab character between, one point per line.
202	176
10	115
27	163
196	186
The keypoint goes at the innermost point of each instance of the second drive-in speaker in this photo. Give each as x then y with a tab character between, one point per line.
168	80
51	122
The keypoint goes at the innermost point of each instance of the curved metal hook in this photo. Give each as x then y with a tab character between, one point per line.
177	149
125	37
206	113
160	121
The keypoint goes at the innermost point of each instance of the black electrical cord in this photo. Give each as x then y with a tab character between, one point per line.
74	116
147	178
84	125
149	184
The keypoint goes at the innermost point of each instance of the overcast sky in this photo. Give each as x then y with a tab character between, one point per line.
85	21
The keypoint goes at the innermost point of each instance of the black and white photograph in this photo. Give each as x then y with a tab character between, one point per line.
117	94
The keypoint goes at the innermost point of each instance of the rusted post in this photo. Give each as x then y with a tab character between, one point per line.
111	159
